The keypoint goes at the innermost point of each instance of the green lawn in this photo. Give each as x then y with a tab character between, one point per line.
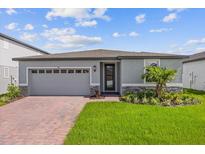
123	123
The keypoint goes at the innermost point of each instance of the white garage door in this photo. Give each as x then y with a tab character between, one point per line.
59	81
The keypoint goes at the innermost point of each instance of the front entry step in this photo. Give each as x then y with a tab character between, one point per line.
110	94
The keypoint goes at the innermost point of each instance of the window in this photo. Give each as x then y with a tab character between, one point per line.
41	71
151	62
85	71
48	71
55	71
5	44
6	72
78	71
70	71
63	71
34	71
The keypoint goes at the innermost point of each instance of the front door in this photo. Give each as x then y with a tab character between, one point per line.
109	77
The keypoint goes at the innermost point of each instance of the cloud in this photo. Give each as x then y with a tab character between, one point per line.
133	34
201	49
140	18
86	23
11	11
73	13
11	26
170	17
117	34
28	37
160	30
176	9
189	47
195	42
56	32
45	26
64	38
100	13
78	14
62	46
28	27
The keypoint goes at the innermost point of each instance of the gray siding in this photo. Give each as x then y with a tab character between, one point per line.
132	70
194	75
24	64
173	64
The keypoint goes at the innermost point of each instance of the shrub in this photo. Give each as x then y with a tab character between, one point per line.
148	93
13	91
145	100
136	100
166	103
123	98
4	99
167	98
154	101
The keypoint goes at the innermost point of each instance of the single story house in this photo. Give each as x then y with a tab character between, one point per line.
10	48
194	72
84	72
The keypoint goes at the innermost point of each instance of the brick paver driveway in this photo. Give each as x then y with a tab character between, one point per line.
39	120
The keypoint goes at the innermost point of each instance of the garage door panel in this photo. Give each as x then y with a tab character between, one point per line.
59	84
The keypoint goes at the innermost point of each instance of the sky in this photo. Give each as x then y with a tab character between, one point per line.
180	31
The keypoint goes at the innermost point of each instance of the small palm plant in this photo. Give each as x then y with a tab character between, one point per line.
160	76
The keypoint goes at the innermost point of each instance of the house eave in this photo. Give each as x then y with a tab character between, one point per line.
64	59
152	57
97	58
193	60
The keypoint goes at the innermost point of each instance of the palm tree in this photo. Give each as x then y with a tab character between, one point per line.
160	76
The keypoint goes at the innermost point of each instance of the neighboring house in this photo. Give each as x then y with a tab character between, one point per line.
194	72
84	72
10	48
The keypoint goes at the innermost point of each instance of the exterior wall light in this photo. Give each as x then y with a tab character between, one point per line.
94	68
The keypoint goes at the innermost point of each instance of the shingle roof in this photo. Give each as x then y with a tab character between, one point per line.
22	43
100	54
195	57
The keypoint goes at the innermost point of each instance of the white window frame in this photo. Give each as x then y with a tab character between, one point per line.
145	61
6	75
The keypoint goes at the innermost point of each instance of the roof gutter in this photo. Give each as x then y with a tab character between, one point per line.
97	58
153	57
64	58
